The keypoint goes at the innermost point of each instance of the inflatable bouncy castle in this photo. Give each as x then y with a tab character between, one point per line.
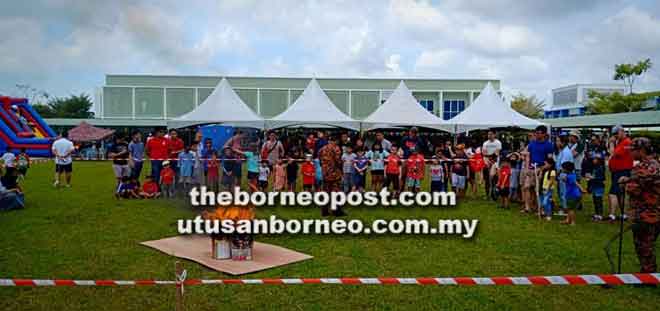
22	127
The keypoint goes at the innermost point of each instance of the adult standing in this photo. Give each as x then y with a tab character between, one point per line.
321	141
62	150
157	151
175	146
491	147
331	166
136	150
620	164
410	142
384	143
643	187
564	155
540	148
272	150
120	155
577	149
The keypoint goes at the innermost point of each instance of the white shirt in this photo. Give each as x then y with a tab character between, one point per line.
61	147
490	147
9	159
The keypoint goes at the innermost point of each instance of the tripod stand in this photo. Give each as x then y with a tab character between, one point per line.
621	199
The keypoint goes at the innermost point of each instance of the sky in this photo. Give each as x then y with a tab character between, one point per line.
66	47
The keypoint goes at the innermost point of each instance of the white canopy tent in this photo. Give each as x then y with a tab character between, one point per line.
490	110
313	107
402	109
223	106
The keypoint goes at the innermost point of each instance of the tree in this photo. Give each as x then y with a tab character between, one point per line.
614	103
529	106
617	102
72	107
629	72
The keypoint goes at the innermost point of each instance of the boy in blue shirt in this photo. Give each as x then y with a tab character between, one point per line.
186	163
573	192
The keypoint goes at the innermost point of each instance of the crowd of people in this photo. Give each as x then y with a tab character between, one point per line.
543	176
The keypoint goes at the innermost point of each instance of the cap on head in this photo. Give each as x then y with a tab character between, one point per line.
616	129
166	162
574	133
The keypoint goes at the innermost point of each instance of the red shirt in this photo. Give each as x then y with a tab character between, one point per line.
621	158
308	173
150	187
175	146
167	176
415	164
504	177
392	164
157	148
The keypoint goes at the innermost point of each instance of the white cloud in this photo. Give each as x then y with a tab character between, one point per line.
434	60
501	39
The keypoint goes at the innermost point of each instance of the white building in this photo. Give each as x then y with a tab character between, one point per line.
569	101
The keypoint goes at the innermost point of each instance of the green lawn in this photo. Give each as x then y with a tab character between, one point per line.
83	233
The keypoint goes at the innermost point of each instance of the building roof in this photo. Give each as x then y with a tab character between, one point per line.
627	119
108	122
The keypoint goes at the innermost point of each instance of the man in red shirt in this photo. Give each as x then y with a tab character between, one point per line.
174	146
157	150
620	164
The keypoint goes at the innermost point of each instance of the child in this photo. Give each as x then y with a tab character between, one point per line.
264	172
279	172
596	185
308	172
213	172
22	164
347	159
167	176
415	173
573	192
377	156
198	166
252	159
319	174
476	165
126	189
515	164
492	175
186	163
228	169
149	188
459	171
504	182
292	171
549	178
437	172
393	169
360	166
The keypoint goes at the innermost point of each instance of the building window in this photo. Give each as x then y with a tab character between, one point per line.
427	104
451	108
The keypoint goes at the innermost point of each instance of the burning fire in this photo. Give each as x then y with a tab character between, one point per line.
235	213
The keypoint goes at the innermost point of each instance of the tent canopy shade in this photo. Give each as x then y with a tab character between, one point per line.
402	109
490	110
85	132
313	107
223	106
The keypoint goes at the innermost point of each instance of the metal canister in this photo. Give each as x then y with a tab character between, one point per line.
221	249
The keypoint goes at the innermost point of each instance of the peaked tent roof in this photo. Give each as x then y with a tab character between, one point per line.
313	107
401	108
490	110
222	106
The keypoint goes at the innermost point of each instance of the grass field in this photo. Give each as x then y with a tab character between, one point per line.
83	233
